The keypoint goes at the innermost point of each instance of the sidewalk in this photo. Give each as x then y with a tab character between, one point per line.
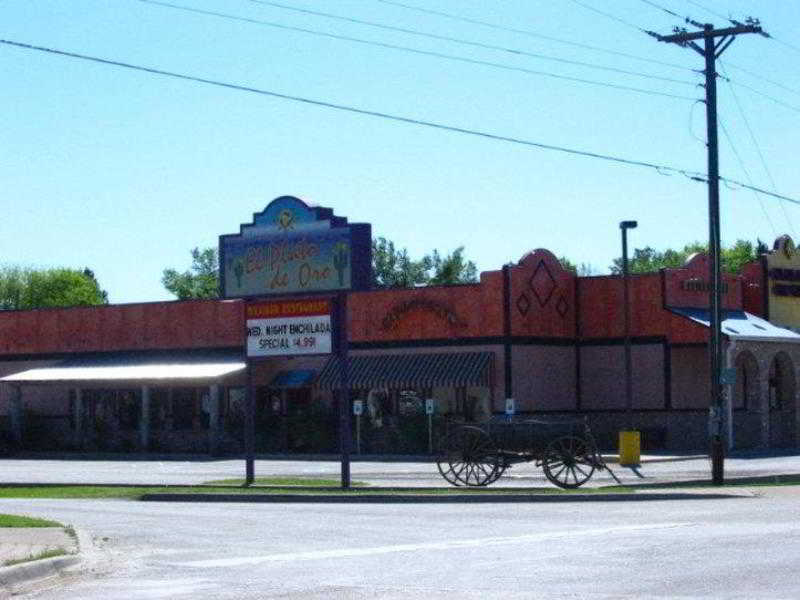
22	543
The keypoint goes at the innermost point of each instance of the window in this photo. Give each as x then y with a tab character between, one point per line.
183	409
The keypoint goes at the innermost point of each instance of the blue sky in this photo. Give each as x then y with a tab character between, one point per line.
125	172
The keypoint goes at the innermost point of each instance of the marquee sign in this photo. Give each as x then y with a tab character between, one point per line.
782	267
288	327
293	248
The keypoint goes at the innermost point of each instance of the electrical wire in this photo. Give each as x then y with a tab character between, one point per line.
693	175
760	77
610	16
709	11
530	33
767	96
758	150
452	57
461	41
747	175
661	8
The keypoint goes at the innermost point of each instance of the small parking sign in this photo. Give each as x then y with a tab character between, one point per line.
429	406
510	407
358	407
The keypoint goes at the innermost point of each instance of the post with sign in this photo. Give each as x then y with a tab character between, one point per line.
358	410
429	407
278	328
345	433
305	256
510	408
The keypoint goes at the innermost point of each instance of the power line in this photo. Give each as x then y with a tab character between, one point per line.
693	175
350	109
767	96
610	16
709	11
661	8
533	34
747	175
412	50
461	41
758	150
787	44
760	77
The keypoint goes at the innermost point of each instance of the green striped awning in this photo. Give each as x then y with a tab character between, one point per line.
397	371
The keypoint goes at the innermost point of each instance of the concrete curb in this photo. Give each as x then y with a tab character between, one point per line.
35	570
431	499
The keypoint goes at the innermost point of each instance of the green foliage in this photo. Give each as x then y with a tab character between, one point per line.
200	281
648	260
582	270
19	521
393	268
24	288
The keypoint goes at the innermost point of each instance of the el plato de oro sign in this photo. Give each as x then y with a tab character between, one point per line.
288	327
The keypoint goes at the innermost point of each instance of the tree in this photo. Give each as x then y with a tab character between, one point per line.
200	281
26	288
453	268
582	270
395	268
647	259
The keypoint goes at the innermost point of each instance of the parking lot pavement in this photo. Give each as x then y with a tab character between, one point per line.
419	473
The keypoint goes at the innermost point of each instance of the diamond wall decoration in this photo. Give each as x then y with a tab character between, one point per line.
562	307
523	304
542	284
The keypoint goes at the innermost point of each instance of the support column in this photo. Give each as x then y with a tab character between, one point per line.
762	401
16	414
78	440
213	419
144	420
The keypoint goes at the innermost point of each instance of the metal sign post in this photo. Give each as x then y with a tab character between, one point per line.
345	434
429	408
358	410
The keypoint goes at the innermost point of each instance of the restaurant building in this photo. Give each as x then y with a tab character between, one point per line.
172	376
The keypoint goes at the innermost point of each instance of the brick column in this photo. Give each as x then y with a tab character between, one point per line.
213	419
144	420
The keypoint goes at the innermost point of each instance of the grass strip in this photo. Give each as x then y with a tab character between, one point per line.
286	481
19	521
49	553
133	493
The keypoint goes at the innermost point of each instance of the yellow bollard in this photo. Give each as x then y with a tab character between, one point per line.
629	448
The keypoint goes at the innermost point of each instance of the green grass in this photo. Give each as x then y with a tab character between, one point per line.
50	553
286	482
135	492
764	481
17	521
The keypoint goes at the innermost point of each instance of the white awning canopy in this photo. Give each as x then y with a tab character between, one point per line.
134	372
741	325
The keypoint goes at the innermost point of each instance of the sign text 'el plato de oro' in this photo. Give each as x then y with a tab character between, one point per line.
288	327
295	248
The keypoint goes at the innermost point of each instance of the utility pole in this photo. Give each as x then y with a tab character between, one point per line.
711	51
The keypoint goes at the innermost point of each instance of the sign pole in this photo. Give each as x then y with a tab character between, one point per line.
345	433
249	429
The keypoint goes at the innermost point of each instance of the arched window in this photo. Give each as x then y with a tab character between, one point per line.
781	382
746	389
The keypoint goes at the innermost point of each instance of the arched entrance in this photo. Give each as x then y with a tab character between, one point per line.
747	429
781	402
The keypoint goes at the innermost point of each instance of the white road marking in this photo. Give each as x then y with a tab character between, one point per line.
474	543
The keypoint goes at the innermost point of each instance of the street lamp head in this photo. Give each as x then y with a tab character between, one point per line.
628	224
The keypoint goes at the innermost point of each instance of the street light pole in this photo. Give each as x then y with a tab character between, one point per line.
624	226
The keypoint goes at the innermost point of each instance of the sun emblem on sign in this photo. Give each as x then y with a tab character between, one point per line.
286	219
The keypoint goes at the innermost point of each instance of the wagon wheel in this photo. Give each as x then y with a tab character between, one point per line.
469	457
569	462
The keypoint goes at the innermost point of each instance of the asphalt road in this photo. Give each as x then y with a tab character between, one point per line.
155	472
741	547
